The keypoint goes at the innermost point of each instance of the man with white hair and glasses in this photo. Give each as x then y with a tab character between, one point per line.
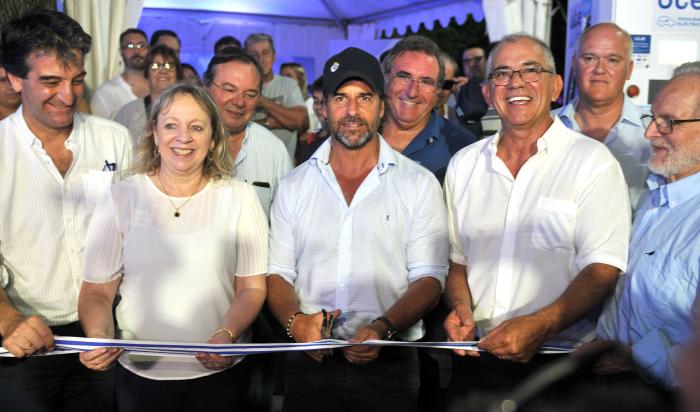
533	257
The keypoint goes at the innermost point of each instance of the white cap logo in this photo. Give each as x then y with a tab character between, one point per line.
334	67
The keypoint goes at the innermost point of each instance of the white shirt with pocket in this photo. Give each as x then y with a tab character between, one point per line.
525	239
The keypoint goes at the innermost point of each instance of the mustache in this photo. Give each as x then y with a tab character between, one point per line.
353	119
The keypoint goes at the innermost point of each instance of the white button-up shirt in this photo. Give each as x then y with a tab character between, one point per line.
524	239
359	258
45	216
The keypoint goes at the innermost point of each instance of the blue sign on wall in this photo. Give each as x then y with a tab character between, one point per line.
641	44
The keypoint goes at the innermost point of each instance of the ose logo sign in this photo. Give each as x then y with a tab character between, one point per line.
679	4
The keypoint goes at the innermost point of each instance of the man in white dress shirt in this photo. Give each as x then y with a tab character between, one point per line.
234	80
358	234
54	165
113	94
534	249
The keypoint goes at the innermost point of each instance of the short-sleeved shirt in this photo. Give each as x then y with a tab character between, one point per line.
177	273
44	216
626	142
110	96
434	146
262	161
133	116
524	239
359	258
283	91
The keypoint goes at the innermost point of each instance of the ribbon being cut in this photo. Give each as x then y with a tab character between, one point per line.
68	344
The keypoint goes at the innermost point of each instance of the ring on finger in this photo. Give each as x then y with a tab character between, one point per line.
28	347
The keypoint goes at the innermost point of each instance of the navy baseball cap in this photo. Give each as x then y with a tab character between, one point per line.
352	63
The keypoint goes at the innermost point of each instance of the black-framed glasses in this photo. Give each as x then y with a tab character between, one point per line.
168	67
664	124
528	74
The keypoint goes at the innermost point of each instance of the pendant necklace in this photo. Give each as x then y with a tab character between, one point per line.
177	208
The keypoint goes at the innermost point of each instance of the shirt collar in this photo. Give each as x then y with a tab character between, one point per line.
387	155
675	193
545	142
631	114
429	135
242	152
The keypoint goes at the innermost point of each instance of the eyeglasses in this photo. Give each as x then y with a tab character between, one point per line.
529	74
163	66
230	90
134	46
664	124
405	79
473	60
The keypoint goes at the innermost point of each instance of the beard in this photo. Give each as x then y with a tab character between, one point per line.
677	161
135	63
360	139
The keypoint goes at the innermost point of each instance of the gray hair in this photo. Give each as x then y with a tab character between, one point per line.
257	38
687	68
620	30
513	38
414	43
217	164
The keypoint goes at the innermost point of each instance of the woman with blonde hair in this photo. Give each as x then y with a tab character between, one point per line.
186	248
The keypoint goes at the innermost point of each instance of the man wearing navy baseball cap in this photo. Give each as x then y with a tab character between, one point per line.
358	251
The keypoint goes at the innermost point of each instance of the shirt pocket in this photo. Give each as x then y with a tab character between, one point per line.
553	226
94	184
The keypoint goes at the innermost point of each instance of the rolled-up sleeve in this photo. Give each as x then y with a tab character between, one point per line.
282	260
602	236
428	246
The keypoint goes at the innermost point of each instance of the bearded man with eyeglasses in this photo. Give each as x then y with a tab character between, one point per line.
602	64
128	86
534	249
652	311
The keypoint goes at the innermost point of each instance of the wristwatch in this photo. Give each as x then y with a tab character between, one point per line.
266	122
390	329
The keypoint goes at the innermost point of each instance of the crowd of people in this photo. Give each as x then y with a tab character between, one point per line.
174	213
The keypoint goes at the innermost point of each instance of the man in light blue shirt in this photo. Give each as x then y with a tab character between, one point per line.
358	251
602	64
651	312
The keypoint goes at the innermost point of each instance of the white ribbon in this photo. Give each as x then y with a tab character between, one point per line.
69	344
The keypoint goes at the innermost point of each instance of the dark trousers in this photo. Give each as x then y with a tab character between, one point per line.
478	384
390	383
55	382
221	391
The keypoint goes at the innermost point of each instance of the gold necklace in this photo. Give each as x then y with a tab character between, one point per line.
177	208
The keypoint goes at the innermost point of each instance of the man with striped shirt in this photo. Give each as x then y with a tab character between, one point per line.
235	81
54	165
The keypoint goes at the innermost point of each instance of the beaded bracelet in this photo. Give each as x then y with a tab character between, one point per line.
289	324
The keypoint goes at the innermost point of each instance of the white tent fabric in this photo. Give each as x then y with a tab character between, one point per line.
104	21
505	17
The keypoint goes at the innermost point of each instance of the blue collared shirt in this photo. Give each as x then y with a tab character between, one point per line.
434	146
652	307
358	257
626	142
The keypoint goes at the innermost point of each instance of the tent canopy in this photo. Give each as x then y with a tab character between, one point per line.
387	14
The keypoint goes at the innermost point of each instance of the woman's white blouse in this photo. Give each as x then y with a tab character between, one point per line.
177	272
